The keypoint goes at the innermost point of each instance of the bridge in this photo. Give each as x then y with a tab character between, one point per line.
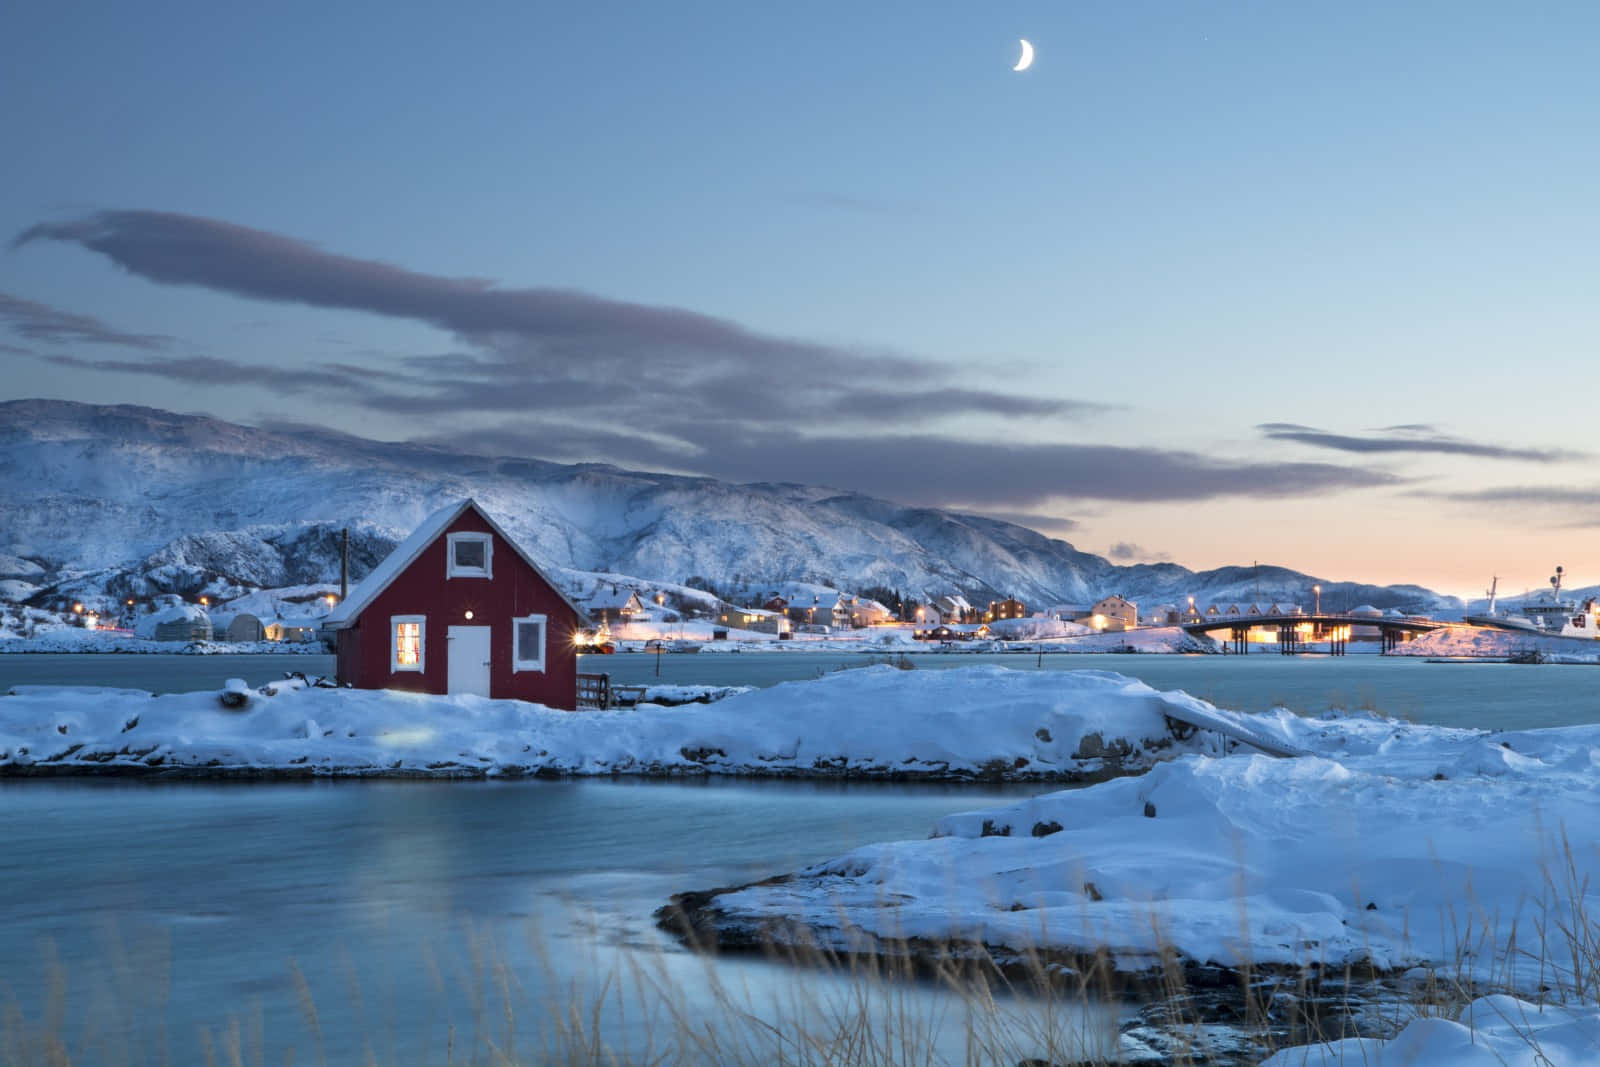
1326	627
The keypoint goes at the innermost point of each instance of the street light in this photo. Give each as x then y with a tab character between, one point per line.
1317	591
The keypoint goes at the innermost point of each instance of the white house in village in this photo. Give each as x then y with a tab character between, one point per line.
611	605
1113	613
864	612
1161	615
759	620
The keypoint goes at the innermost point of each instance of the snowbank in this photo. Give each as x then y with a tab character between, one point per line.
76	639
1496	1031
875	722
1151	639
1486	642
1388	847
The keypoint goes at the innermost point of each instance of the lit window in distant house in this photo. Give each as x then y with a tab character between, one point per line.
469	555
406	648
528	634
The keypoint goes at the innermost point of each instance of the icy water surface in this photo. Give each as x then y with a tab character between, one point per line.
1504	696
153	916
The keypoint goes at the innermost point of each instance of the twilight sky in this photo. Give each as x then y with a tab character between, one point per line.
1307	283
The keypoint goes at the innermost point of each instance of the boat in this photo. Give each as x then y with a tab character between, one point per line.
1546	615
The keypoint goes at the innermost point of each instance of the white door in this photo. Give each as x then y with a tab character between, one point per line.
469	660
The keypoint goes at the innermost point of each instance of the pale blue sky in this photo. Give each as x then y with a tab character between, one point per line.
1201	217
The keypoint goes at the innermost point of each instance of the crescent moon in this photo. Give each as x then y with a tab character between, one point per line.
1026	59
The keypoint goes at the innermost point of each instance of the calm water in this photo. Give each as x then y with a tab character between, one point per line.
172	909
154	914
1488	695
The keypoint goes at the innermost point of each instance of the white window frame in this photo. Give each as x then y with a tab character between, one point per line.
518	664
395	666
450	568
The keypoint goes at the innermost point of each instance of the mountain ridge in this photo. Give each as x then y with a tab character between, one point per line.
110	490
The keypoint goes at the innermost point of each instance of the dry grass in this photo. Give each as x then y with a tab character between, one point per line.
810	1004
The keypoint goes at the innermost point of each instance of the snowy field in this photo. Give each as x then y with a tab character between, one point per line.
1419	852
1486	642
1422	852
873	722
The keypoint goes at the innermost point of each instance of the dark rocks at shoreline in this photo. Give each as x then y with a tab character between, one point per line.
1190	1011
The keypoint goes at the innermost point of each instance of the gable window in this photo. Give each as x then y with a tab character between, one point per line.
406	644
469	555
528	642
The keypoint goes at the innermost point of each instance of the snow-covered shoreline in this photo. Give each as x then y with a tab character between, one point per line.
1389	855
973	723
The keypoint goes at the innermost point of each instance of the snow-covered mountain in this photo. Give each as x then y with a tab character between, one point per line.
135	501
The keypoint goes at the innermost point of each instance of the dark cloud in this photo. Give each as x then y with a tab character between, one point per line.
208	370
1128	552
187	250
880	403
1410	438
41	322
1549	505
937	470
569	376
545	349
1049	525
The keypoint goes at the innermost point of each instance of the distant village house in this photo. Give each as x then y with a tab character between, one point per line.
180	622
613	606
1113	613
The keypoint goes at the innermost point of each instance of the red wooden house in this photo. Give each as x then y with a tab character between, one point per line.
459	608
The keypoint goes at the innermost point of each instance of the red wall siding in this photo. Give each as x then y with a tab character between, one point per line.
422	589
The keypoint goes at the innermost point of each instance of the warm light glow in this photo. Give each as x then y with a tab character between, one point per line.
469	614
78	608
205	600
405	735
408	644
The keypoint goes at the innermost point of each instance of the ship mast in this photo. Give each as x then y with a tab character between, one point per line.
1555	583
1494	583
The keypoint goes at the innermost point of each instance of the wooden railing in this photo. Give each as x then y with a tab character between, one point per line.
594	691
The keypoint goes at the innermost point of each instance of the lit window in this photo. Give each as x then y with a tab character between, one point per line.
528	635
469	555
406	646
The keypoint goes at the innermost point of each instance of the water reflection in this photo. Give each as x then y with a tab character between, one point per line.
355	917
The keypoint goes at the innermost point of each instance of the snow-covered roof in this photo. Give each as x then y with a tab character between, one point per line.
223	619
611	599
146	626
407	552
